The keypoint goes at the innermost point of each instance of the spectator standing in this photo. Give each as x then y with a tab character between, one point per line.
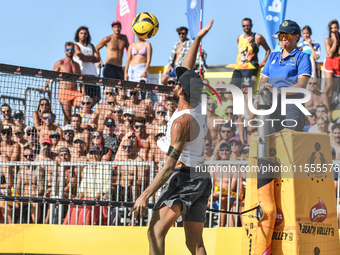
67	91
115	45
86	55
312	48
247	61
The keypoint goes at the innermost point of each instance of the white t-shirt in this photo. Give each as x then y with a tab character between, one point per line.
85	66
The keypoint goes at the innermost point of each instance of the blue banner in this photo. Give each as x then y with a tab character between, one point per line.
193	14
273	14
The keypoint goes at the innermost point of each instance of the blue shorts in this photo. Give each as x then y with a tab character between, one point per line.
172	74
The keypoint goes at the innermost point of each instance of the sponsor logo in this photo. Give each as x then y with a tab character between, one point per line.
80	78
316	228
318	213
61	75
316	250
39	74
283	236
138	85
285	23
18	70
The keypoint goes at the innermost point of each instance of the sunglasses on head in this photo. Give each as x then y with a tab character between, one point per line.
248	25
139	127
28	156
224	149
96	136
119	111
286	36
46	144
129	147
47	118
161	112
69	50
70	132
18	117
133	93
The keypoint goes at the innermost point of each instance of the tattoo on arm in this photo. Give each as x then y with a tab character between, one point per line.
173	153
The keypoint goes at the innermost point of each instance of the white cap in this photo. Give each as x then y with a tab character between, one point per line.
129	111
68	127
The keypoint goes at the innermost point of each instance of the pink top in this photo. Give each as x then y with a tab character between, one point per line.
141	52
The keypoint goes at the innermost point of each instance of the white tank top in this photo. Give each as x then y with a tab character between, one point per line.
193	152
86	67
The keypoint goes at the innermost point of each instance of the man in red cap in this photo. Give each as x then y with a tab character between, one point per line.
115	45
45	153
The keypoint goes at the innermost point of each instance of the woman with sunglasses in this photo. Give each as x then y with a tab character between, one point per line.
98	140
89	119
19	119
44	104
288	68
138	60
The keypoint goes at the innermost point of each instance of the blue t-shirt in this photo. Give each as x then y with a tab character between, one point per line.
285	73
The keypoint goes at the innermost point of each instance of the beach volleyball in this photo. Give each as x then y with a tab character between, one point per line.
145	25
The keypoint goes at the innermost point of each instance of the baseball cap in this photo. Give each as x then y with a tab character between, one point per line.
246	148
46	139
54	133
6	128
30	129
18	130
224	144
189	79
64	149
172	79
94	149
109	122
18	113
129	111
68	127
333	151
79	137
235	138
313	111
289	27
116	22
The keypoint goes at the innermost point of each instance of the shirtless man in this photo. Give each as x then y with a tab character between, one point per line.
7	146
79	153
6	185
117	115
178	53
55	138
107	110
19	139
108	93
128	155
76	123
211	116
115	45
127	126
335	139
159	121
317	97
171	106
68	132
147	140
36	176
156	154
19	119
47	126
226	132
121	97
6	113
31	135
68	94
133	101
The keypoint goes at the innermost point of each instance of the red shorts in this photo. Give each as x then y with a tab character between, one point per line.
332	65
71	96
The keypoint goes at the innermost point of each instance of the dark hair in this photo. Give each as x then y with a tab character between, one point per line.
170	99
248	19
76	36
47	111
140	120
101	135
307	28
227	125
28	148
334	21
336	125
322	106
182	28
69	44
76	115
4	105
230	106
42	99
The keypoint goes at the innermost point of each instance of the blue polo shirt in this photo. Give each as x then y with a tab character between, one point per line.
286	73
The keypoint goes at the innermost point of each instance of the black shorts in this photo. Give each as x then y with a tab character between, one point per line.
112	71
92	91
244	78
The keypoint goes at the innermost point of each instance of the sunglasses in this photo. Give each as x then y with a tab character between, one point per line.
6	133
96	137
44	104
313	83
111	103
171	83
55	137
207	145
313	115
234	144
109	93
127	115
245	152
69	50
140	127
86	103
161	112
248	25
286	36
181	33
213	104
228	113
134	93
47	118
70	132
78	141
28	156
18	117
46	144
8	111
129	147
224	149
132	137
117	111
